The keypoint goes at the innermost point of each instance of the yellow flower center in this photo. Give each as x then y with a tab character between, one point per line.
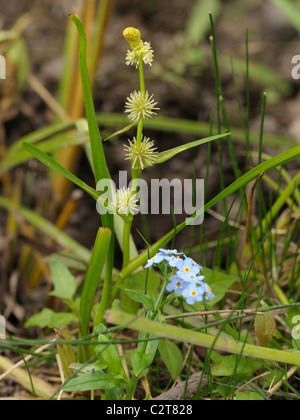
187	270
193	293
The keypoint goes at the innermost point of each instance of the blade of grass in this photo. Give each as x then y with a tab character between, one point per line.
92	279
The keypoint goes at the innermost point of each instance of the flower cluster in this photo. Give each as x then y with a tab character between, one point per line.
125	201
140	50
143	155
187	278
140	105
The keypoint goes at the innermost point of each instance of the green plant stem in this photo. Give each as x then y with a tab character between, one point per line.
200	339
126	241
142	77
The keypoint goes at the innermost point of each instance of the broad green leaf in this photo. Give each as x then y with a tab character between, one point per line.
49	319
65	283
219	283
94	381
172	357
265	327
227	366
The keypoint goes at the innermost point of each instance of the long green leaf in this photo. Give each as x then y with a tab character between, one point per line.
98	156
93	276
199	339
18	156
169	154
52	164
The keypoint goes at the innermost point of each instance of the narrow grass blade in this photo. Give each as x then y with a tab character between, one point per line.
18	156
169	154
52	164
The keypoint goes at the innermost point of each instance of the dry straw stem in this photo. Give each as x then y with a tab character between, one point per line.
41	388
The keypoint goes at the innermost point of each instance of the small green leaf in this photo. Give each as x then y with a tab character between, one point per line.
84	368
138	282
227	366
141	362
49	319
139	297
249	396
265	327
108	354
172	357
94	381
65	283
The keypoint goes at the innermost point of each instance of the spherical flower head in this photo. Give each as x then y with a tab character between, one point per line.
193	293
140	105
133	37
125	201
142	156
